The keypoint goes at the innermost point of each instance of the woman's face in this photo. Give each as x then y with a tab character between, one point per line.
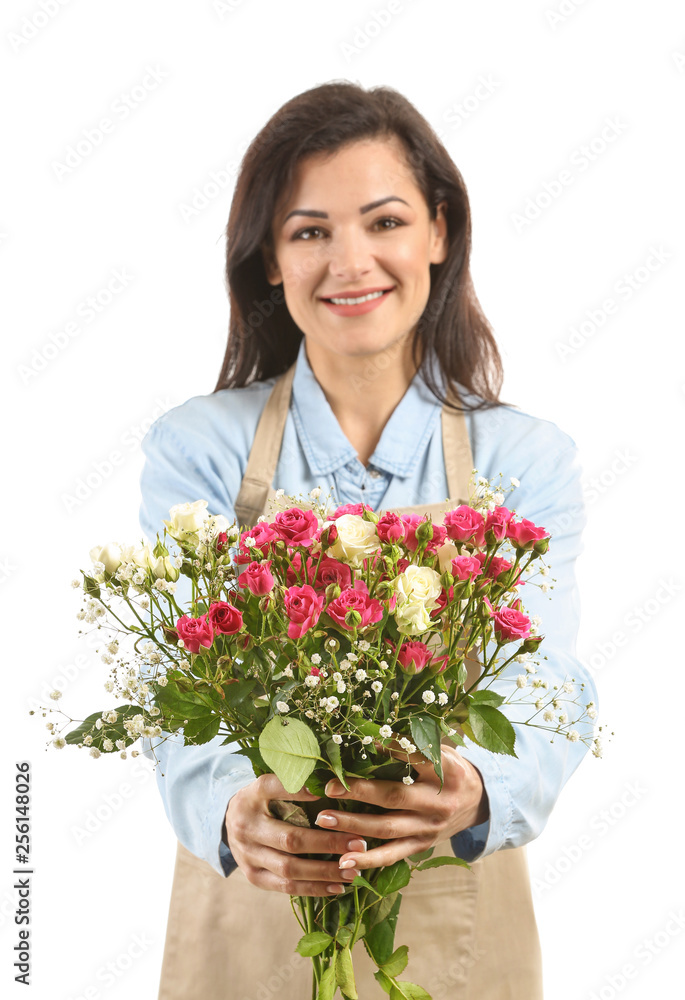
356	225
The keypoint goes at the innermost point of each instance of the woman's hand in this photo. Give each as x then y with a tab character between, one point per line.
421	814
265	848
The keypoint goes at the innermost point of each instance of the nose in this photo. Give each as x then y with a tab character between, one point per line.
350	256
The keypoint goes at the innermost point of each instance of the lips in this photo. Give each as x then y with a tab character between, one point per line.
353	293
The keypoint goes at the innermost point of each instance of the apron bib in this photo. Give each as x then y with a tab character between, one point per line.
471	934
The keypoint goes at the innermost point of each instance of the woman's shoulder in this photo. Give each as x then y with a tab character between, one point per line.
228	417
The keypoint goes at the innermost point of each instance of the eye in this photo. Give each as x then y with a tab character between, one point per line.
301	233
394	223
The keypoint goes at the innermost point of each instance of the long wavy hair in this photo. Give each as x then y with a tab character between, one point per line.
263	338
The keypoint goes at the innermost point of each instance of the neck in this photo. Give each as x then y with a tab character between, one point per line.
363	391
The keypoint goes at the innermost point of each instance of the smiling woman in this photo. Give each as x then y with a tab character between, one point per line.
359	361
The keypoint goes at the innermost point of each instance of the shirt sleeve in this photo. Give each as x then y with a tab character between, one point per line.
196	783
522	790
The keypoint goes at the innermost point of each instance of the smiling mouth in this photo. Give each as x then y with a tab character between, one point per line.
356	300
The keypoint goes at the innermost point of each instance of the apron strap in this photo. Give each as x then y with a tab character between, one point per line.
266	447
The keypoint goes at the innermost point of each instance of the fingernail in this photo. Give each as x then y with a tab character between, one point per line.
356	845
351	874
334	788
323	819
347	864
335	888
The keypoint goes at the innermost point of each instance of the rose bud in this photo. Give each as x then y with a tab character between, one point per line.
353	618
424	532
328	535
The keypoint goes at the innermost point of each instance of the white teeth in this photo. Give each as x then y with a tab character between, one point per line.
353	302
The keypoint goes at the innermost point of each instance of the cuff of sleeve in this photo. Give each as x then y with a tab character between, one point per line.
222	790
469	844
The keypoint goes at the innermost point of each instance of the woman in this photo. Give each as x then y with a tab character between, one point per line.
359	361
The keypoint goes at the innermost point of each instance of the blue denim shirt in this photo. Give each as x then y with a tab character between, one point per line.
199	450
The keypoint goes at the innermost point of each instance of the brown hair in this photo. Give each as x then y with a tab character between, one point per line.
263	339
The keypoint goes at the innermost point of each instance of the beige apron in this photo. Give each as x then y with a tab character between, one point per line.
471	934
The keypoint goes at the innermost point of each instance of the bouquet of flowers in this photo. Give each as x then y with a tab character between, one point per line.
326	642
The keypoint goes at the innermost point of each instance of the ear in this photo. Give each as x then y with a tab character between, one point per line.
439	241
273	272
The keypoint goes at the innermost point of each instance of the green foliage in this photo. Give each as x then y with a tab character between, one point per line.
397	962
111	730
393	878
408	991
290	749
333	751
190	710
446	860
491	729
486	697
344	974
380	939
313	944
425	732
327	985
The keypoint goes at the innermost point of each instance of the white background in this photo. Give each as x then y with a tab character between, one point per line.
608	869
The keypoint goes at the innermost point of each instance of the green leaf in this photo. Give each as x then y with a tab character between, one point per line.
491	729
397	962
487	697
446	860
333	751
313	944
327	984
344	974
290	748
425	731
422	855
360	881
202	730
381	977
380	909
113	731
408	991
380	940
393	877
90	587
255	758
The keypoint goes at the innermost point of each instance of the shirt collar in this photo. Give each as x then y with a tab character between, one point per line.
402	443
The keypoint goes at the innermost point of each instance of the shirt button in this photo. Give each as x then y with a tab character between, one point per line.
374	473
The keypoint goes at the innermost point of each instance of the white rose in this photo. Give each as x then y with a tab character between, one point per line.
144	557
412	618
164	569
109	555
419	583
186	518
356	539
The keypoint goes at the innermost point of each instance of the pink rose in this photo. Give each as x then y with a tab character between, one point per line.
411	522
356	598
333	571
224	618
303	607
524	534
510	624
390	528
295	526
464	524
257	577
415	656
263	535
195	632
497	522
496	566
466	567
350	508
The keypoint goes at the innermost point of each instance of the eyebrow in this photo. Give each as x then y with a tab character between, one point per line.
365	208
